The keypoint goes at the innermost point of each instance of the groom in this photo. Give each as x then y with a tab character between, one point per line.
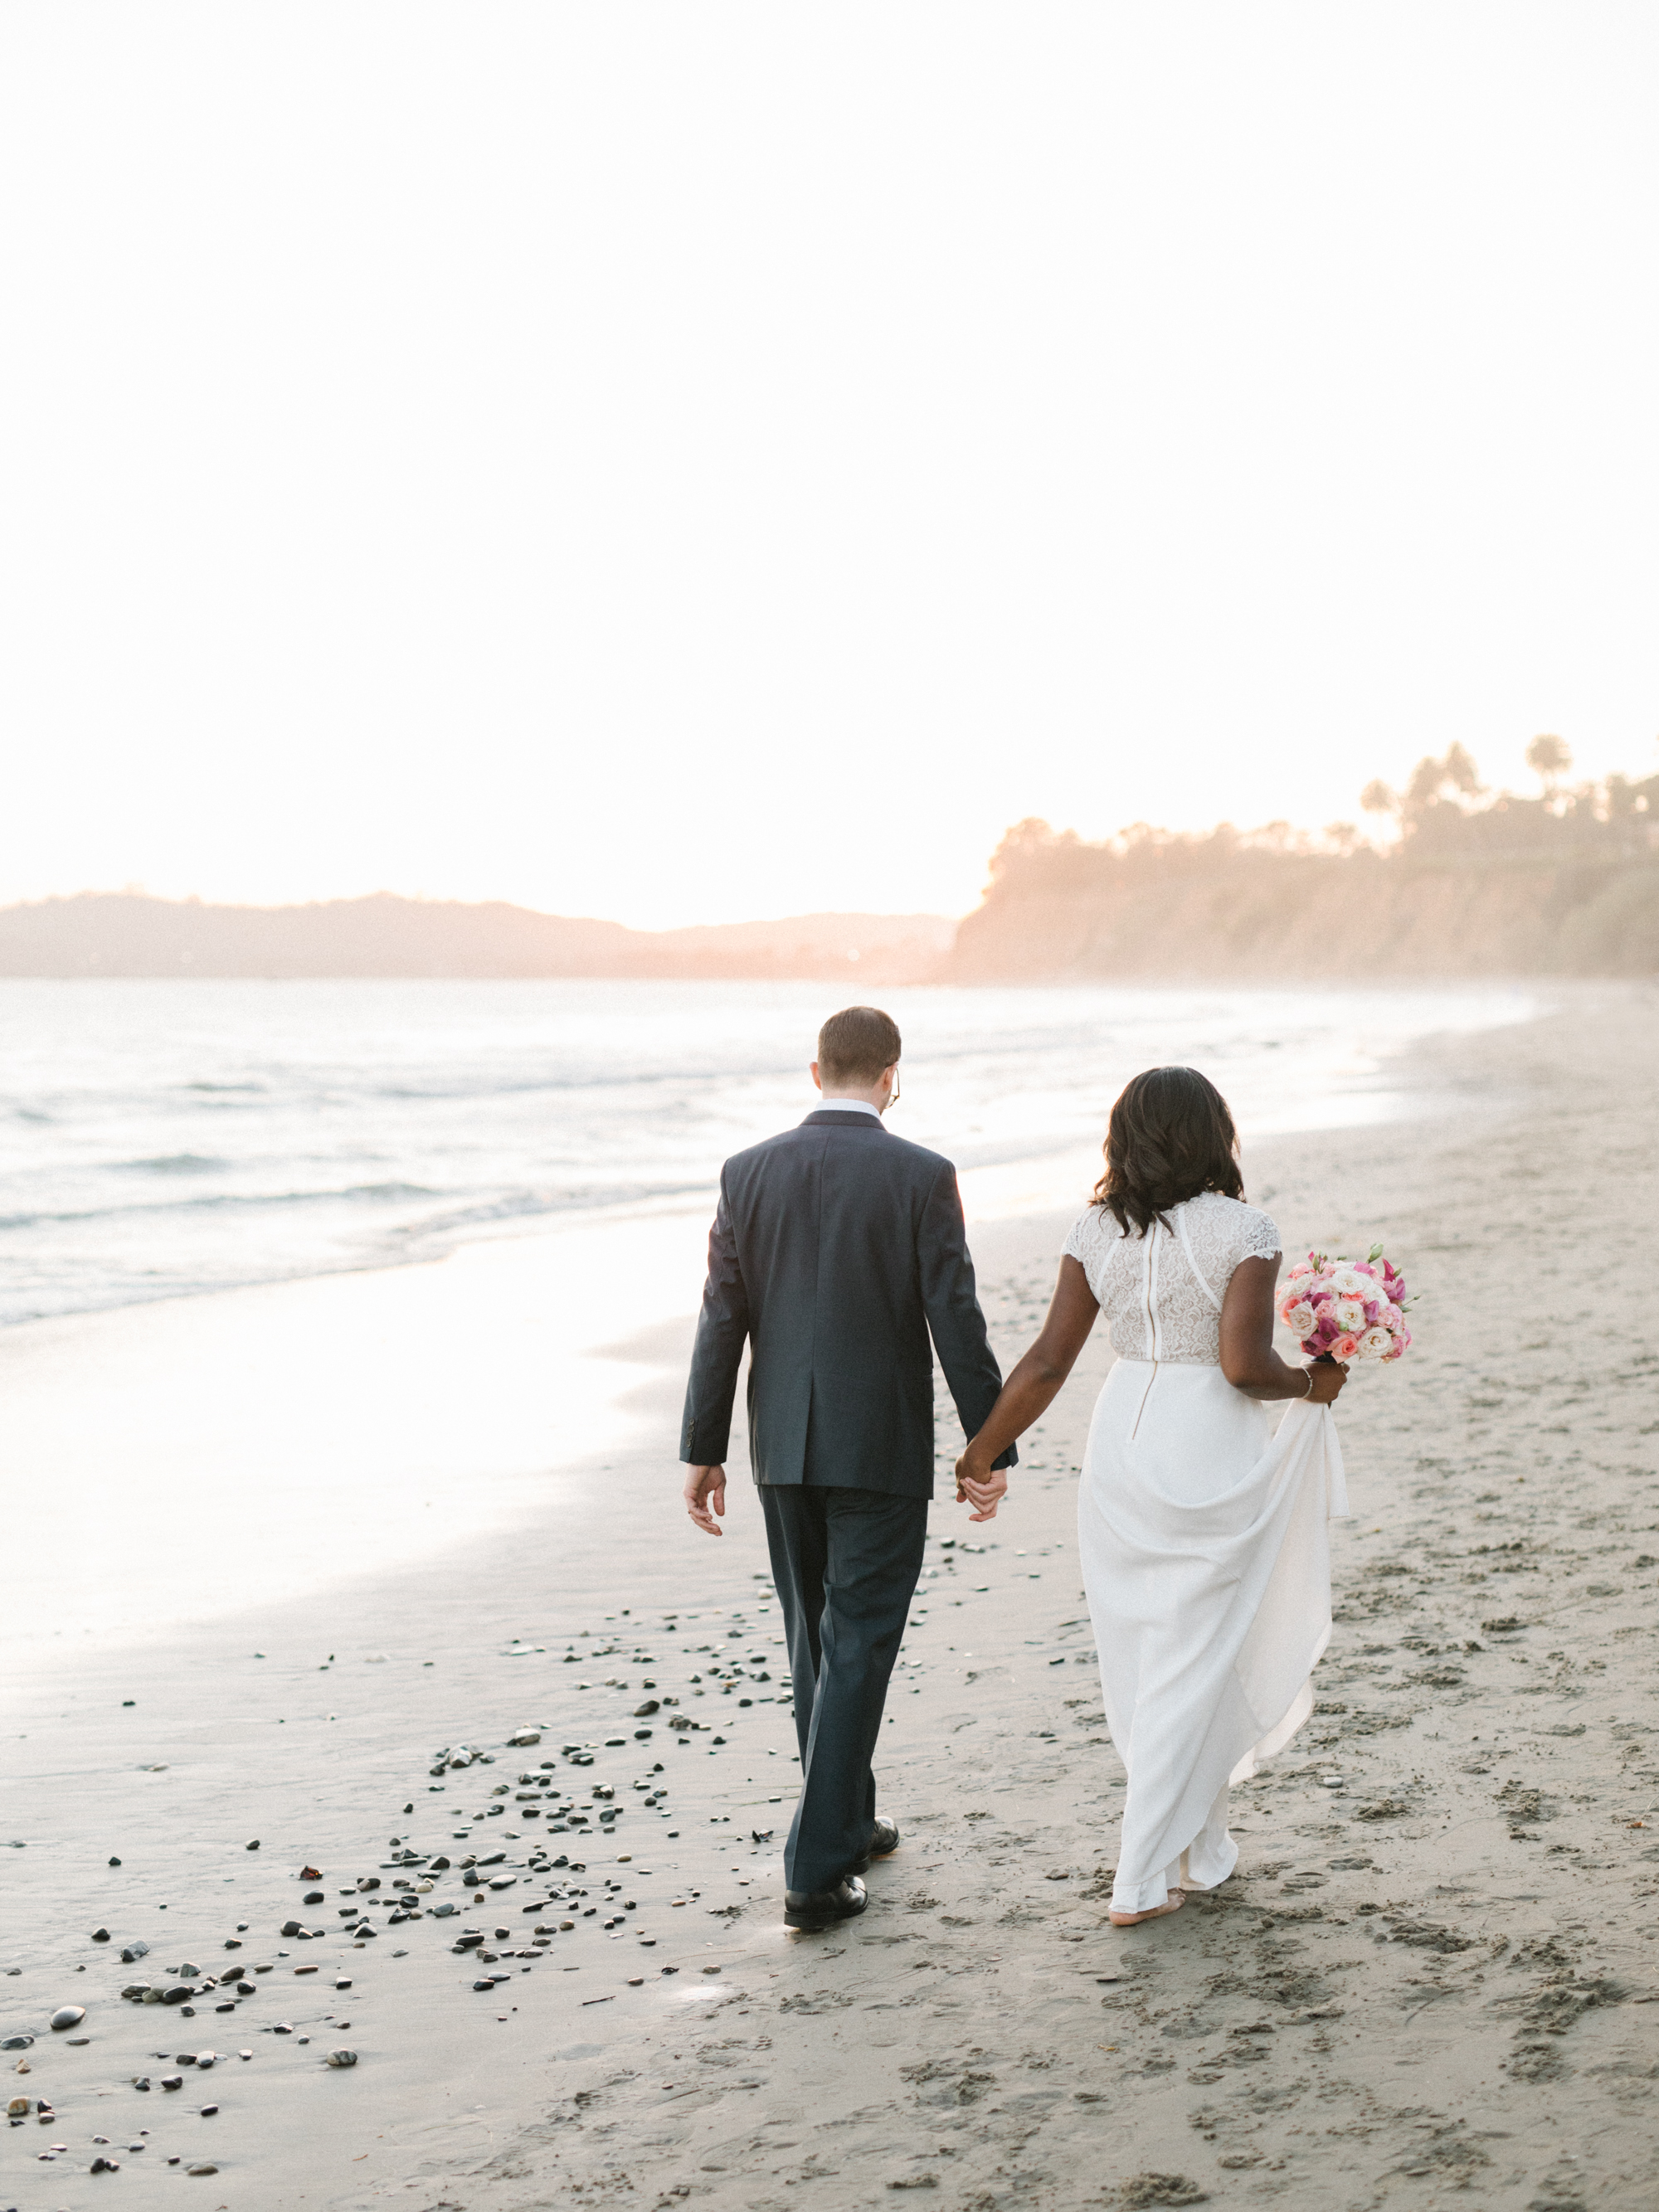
837	1249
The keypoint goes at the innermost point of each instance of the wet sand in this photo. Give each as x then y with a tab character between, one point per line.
1430	1974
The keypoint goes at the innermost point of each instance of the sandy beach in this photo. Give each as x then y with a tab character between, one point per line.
1431	1973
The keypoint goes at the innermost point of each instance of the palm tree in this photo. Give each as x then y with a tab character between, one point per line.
1549	759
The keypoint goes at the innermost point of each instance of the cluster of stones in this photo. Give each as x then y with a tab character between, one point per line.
407	1878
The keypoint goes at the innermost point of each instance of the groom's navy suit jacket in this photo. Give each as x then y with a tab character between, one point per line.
837	1249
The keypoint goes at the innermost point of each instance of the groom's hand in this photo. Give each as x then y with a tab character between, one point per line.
705	1496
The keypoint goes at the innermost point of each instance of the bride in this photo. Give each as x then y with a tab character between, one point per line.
1202	1528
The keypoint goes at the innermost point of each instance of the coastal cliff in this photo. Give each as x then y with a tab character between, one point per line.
1475	885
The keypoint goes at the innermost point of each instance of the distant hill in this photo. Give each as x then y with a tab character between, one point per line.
128	933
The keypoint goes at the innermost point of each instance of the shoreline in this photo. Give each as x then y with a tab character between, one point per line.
312	1430
995	2013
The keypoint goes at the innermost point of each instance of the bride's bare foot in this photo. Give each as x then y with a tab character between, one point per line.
1176	1899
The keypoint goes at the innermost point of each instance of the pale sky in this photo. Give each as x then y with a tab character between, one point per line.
686	462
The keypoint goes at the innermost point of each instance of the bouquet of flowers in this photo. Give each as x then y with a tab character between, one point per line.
1347	1309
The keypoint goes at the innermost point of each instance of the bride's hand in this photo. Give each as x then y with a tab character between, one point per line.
983	1488
1329	1377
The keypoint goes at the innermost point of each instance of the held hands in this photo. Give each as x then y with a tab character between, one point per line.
705	1496
1328	1377
982	1487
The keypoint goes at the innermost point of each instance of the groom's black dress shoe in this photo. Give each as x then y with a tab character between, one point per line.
823	1908
883	1840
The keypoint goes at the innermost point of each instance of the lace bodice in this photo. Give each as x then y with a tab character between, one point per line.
1162	1294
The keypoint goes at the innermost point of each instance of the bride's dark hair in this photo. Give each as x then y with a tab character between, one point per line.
1171	1136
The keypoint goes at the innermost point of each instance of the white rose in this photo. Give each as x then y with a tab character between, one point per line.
1375	1343
1350	1315
1348	1283
1300	1320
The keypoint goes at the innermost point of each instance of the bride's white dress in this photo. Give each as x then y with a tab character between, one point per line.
1202	1530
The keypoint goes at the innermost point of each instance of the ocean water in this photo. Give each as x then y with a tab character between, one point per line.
166	1139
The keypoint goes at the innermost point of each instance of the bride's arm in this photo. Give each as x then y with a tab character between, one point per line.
1030	1390
1247	1359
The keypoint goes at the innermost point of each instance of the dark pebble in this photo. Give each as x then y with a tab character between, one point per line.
173	2081
68	2016
207	2111
252	1846
101	1934
115	1861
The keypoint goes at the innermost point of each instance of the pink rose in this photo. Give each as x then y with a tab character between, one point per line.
1343	1346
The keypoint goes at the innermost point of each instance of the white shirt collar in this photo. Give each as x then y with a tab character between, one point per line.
847	1106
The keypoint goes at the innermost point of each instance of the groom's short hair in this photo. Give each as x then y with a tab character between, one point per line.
857	1045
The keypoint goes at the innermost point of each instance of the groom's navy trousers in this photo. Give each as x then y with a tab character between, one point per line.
846	1562
838	1257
